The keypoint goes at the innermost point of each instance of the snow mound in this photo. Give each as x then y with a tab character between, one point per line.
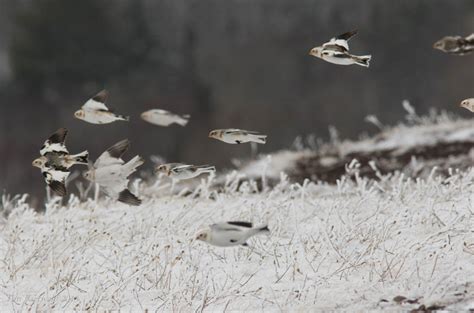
390	243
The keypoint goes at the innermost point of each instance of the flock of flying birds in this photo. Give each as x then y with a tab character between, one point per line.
112	173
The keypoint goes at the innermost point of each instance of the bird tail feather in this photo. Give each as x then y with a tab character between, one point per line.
124	118
134	163
262	139
184	120
81	158
363	60
260	230
470	38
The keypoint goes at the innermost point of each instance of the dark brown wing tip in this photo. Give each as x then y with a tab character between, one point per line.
59	136
347	35
242	224
127	197
101	96
58	187
118	149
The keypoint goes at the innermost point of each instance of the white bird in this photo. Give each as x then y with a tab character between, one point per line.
336	51
55	161
230	234
468	104
237	136
94	111
180	171
164	118
111	173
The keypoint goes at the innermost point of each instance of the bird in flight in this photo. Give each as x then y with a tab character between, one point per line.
237	136
230	234
336	51
164	118
179	171
112	174
456	45
95	111
55	161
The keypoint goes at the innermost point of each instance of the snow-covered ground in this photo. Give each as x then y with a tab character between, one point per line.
355	246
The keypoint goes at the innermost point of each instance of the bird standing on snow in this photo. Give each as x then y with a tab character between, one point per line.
164	118
179	171
468	104
231	233
94	111
456	44
336	51
55	161
111	173
237	136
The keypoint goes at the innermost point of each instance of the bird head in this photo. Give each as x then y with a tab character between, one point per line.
215	134
468	104
89	175
439	45
145	115
39	162
315	52
162	169
203	235
79	114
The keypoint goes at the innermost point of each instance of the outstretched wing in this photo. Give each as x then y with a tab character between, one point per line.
97	103
56	179
55	143
113	155
341	40
346	36
334	50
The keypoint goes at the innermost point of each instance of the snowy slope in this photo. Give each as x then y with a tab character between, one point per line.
354	246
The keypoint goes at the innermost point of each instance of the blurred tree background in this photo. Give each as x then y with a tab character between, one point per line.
235	63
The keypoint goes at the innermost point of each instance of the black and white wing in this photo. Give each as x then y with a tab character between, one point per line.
55	143
335	51
179	168
342	40
113	155
121	192
234	131
56	179
97	103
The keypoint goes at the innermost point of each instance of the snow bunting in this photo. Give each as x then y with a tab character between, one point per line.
164	118
111	173
55	161
237	136
94	111
468	104
456	44
230	233
179	171
336	51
